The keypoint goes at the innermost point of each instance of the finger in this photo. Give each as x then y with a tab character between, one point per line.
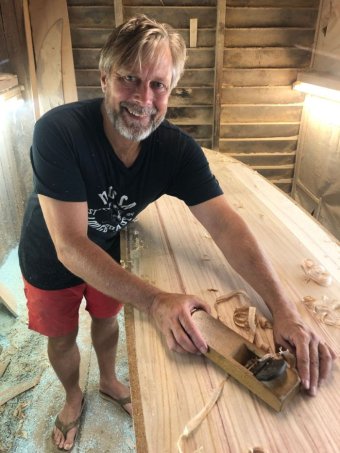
202	306
313	367
302	359
181	337
173	345
326	361
194	334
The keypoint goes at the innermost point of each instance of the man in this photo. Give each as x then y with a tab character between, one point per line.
96	165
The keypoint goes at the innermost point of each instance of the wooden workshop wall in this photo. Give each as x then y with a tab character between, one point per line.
191	103
266	42
317	173
16	124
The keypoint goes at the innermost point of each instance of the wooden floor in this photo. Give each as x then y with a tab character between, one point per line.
168	247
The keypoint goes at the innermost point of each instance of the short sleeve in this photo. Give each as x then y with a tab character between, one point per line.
55	161
193	182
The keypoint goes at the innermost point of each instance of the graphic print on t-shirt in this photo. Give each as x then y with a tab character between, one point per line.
115	214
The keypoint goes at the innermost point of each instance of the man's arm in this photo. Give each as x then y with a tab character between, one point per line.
67	223
243	252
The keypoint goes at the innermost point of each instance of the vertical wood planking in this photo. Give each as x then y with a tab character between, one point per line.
118	8
193	32
220	30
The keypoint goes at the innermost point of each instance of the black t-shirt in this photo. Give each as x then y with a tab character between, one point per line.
72	160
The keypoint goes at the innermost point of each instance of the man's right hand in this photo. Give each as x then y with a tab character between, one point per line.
172	313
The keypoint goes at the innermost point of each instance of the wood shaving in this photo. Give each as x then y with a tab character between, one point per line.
316	272
326	310
198	418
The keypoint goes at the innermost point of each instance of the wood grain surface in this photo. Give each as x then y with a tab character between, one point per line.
167	247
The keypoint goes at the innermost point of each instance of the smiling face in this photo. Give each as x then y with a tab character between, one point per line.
136	99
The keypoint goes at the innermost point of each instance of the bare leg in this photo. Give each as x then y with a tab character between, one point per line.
105	340
64	356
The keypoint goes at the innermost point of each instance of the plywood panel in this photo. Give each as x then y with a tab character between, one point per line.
268	57
239	422
271	17
191	96
268	37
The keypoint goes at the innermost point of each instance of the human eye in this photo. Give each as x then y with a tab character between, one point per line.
159	86
129	78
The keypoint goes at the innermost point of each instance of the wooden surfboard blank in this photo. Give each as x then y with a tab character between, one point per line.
168	247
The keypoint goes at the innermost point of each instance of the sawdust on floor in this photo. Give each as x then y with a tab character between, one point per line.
26	420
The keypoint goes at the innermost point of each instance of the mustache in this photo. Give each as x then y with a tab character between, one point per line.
138	109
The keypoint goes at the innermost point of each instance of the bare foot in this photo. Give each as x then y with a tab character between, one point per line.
117	390
70	412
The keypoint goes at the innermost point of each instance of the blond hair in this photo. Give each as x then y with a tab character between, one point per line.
134	43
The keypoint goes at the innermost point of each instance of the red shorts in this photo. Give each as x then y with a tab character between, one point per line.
56	312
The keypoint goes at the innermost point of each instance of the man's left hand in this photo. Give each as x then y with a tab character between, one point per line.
314	357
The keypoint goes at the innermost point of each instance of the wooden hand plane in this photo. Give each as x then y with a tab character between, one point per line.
267	376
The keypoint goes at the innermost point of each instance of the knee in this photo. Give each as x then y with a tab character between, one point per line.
105	322
62	344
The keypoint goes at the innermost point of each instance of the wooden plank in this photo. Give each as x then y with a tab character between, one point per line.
95	37
198	132
248	130
271	17
260	145
221	8
268	37
53	53
118	10
190	115
89	37
191	78
92	16
268	57
261	95
143	2
197	58
169	232
259	77
31	63
193	32
89	93
179	97
275	172
191	96
260	113
261	159
9	393
197	77
206	15
277	3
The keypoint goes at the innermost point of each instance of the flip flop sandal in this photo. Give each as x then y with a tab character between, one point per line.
66	428
120	402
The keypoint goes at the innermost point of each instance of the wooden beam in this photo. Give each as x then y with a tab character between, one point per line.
193	32
220	30
31	60
118	6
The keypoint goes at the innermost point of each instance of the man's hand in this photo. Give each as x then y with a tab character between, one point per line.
172	313
314	357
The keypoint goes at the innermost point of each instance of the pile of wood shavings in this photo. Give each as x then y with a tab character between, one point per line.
326	310
316	272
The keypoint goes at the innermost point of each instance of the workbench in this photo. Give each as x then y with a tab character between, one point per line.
167	247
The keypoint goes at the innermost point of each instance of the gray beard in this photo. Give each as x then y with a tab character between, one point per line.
134	132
